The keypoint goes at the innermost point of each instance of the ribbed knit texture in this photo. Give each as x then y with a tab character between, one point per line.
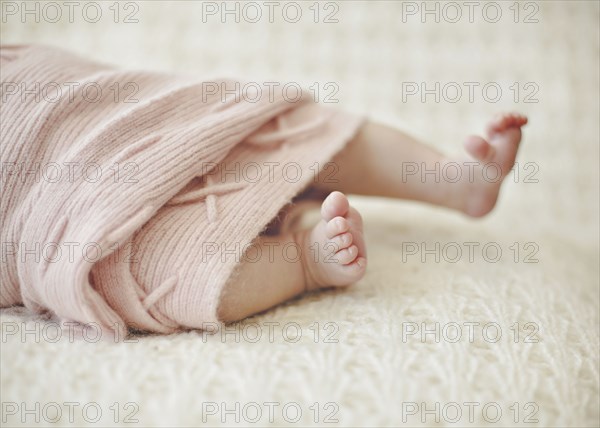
152	231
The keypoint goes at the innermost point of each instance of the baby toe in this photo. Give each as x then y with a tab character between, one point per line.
342	241
335	205
518	119
355	270
336	226
359	264
498	123
347	255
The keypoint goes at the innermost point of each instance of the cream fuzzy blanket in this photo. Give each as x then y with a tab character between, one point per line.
185	175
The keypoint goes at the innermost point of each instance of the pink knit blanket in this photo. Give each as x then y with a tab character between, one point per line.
129	197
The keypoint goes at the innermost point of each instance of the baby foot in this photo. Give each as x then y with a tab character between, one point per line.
333	252
504	136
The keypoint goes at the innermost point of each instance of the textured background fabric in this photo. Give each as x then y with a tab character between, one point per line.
372	370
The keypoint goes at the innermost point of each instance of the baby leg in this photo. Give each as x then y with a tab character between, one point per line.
382	161
333	252
278	268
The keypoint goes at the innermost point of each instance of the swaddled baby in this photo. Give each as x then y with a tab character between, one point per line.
191	215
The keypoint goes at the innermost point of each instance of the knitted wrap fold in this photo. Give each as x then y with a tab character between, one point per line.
128	198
